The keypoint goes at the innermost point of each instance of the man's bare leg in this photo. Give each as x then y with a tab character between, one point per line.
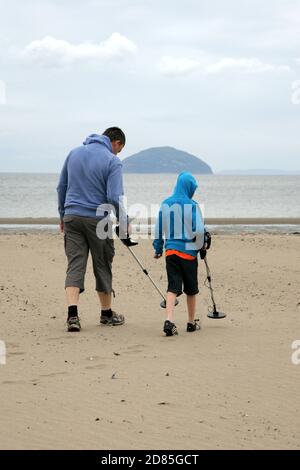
105	300
72	294
109	317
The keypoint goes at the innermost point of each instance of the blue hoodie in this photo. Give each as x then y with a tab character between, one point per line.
180	220
91	175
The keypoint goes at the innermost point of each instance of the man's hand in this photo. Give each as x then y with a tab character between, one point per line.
126	241
124	234
157	255
129	229
61	226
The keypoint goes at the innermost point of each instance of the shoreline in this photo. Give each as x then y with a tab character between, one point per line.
150	221
146	231
145	227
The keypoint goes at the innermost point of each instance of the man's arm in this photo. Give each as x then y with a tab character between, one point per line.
61	191
158	243
115	194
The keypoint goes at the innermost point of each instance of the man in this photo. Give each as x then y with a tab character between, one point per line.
91	177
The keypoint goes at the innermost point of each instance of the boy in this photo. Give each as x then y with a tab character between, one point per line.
180	227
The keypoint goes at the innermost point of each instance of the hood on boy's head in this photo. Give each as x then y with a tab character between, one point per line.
186	185
96	138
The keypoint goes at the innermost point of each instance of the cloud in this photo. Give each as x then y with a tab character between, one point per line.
57	52
177	66
243	65
2	92
172	67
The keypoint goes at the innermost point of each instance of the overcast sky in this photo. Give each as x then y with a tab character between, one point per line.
219	79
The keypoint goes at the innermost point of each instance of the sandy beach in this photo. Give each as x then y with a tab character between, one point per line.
230	385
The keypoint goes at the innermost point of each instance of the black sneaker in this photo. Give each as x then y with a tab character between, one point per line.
193	326
73	324
114	320
170	328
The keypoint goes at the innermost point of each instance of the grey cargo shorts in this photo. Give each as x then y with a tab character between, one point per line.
80	239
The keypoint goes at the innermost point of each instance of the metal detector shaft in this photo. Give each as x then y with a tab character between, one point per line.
146	272
209	282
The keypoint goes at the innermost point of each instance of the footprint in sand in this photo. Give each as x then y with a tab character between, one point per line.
53	374
10	382
135	348
60	338
96	366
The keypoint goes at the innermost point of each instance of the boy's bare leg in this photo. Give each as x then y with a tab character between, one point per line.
191	305
72	294
171	297
105	300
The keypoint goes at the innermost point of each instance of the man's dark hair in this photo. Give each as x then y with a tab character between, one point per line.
115	133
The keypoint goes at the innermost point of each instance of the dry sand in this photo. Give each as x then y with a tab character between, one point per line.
230	385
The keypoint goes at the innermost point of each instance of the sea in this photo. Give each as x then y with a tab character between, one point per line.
220	196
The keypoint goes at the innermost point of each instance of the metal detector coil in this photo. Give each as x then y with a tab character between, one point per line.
215	314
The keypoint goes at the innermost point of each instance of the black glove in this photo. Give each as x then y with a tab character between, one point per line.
126	241
207	240
206	244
